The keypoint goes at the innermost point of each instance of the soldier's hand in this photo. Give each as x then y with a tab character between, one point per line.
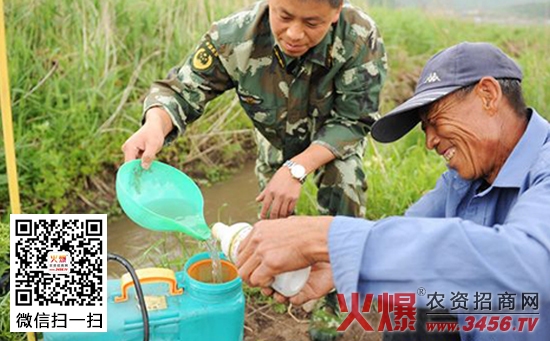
148	140
281	195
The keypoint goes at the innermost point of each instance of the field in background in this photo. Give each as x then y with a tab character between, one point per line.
79	70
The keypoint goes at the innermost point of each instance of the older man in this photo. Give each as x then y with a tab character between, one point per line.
484	229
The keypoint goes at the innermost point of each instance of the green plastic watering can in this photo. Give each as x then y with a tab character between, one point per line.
161	198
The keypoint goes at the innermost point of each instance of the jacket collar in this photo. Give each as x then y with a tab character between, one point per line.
525	152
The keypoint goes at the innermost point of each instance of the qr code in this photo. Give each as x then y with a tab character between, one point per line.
58	261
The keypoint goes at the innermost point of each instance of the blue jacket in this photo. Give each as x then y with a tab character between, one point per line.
457	240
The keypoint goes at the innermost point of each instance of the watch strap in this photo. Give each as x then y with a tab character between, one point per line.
290	164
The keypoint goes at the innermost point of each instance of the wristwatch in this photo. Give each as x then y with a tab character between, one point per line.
297	171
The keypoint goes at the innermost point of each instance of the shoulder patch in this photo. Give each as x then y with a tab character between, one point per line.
204	56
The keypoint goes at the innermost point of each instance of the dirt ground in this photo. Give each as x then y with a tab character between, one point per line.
264	324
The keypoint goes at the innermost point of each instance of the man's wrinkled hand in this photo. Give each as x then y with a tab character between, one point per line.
280	195
272	247
282	245
318	285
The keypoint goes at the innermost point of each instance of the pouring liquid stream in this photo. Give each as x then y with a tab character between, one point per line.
213	251
186	215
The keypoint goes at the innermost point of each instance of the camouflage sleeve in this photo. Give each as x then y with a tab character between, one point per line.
187	89
357	97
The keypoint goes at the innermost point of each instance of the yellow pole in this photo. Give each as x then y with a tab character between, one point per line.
7	118
7	125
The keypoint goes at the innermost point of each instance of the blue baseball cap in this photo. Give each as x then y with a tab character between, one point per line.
447	71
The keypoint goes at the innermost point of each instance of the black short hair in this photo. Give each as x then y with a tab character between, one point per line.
511	89
332	3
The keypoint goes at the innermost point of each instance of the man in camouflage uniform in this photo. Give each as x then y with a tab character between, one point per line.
308	73
309	104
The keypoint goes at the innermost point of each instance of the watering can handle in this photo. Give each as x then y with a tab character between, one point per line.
149	275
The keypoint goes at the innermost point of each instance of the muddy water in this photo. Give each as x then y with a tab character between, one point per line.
230	201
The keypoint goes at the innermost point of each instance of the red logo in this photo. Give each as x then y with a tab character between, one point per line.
402	307
59	262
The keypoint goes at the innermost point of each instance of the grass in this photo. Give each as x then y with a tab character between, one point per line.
79	71
78	76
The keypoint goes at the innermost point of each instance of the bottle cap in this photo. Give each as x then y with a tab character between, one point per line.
218	230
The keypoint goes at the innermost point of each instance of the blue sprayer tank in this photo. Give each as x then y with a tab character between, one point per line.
203	312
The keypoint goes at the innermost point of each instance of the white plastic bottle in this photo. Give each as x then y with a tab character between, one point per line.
230	237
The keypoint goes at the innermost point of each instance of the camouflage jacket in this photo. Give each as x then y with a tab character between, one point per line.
328	96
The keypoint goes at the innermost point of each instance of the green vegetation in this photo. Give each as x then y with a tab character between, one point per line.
4	248
5	334
79	71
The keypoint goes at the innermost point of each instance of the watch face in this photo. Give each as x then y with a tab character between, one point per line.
298	171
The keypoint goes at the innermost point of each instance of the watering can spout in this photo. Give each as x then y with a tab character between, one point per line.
197	229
